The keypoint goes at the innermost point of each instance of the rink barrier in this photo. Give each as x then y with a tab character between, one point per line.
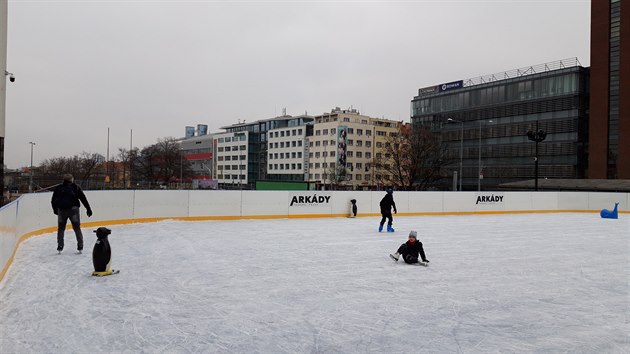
32	215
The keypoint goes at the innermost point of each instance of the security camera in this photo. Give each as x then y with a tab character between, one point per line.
10	75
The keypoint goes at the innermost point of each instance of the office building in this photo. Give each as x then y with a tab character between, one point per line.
609	157
484	124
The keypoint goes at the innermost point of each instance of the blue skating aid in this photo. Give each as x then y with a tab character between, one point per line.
609	214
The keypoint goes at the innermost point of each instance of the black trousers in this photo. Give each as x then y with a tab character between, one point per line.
387	216
411	258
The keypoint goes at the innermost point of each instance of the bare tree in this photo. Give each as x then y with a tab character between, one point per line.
161	162
83	167
414	161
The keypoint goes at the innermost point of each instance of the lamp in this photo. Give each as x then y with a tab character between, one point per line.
536	136
30	179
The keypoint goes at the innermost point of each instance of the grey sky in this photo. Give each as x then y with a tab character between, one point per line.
157	66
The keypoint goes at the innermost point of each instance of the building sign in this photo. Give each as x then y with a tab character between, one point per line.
305	199
489	199
452	85
342	149
428	90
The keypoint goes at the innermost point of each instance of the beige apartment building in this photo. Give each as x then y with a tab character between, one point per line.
343	149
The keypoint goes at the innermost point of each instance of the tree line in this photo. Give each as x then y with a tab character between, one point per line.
412	160
152	166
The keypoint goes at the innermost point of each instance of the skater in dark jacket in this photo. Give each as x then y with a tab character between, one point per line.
386	210
410	250
65	204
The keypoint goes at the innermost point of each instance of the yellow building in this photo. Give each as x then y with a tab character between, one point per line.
343	149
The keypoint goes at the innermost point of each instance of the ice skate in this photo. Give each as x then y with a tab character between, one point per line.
390	228
380	228
395	256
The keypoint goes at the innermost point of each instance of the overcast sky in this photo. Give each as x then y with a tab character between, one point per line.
82	67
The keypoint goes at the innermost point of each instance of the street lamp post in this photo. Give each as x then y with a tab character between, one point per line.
30	179
461	149
181	167
479	164
536	136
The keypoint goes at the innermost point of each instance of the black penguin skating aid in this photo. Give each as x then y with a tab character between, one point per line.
102	253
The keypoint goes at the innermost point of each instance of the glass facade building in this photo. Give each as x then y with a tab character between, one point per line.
486	123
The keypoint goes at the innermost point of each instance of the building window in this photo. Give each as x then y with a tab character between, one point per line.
271	166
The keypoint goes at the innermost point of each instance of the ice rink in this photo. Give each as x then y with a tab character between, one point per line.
521	283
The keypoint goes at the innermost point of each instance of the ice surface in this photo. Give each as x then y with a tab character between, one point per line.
496	283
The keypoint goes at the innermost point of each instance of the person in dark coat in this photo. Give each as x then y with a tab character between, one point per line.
386	210
410	250
65	204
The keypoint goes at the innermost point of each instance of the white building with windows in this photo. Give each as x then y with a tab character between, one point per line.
287	153
231	159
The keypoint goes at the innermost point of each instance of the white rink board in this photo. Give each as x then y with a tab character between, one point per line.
259	203
109	205
157	204
214	203
32	213
429	202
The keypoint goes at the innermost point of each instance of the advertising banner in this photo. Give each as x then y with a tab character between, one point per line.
342	149
452	85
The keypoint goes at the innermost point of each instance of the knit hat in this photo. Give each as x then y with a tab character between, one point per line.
413	234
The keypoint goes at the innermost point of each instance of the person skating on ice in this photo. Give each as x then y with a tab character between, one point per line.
65	204
410	250
386	210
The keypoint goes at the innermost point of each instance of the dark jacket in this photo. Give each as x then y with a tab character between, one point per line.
68	195
387	203
414	249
